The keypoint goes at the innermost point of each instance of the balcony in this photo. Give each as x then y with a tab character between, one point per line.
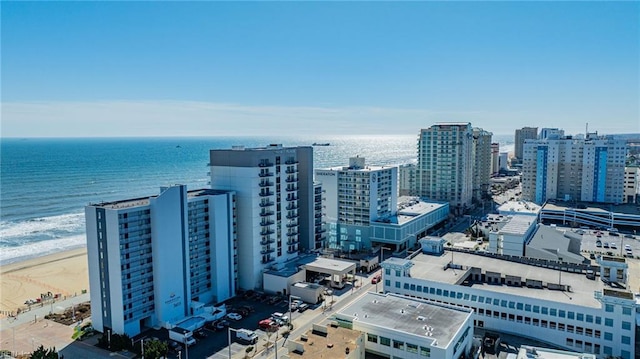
291	170
264	183
292	198
291	251
267	213
292	233
266	204
291	162
292	224
292	206
265	193
266	223
292	188
267	250
318	215
292	241
292	216
265	164
265	241
291	179
265	174
268	260
266	232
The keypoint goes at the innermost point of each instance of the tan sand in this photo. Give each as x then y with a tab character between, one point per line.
64	273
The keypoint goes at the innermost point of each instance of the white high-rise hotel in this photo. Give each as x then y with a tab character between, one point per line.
454	163
151	258
275	196
566	168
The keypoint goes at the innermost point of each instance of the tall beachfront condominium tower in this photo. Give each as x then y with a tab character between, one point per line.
481	163
522	134
445	164
357	195
152	258
495	158
275	202
570	169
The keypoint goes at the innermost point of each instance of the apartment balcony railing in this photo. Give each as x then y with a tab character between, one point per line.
265	241
292	216
268	260
265	193
266	232
292	188
266	204
291	179
291	162
265	183
267	223
292	198
292	233
267	213
265	174
291	170
290	225
292	206
267	250
265	164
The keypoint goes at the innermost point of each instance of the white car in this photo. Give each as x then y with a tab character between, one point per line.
613	245
234	316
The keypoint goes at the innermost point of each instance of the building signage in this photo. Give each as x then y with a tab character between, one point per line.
325	173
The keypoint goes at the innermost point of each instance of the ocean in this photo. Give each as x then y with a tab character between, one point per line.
45	182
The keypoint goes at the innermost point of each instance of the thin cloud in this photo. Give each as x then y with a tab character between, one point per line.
191	118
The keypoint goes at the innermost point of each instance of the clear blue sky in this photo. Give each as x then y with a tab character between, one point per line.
258	68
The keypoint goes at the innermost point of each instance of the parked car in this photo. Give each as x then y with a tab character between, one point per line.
221	324
613	245
294	306
302	307
606	244
174	346
266	323
200	334
234	316
376	279
598	244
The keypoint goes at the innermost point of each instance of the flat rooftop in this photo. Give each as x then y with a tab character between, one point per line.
330	266
331	344
144	201
518	225
523	207
628	208
430	267
408	315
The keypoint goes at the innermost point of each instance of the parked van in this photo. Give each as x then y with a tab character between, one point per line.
247	335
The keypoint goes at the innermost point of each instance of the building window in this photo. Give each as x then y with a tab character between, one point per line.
387	271
626	311
608	308
385	341
608	322
626	339
397	284
372	338
412	348
398	344
626	325
580	317
608	336
425	352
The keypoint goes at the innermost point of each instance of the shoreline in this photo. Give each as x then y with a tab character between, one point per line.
64	274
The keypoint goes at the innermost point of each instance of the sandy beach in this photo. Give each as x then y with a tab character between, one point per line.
63	273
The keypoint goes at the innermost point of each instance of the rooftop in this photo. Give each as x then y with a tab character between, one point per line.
604	208
409	208
413	316
518	225
144	201
324	342
524	207
430	267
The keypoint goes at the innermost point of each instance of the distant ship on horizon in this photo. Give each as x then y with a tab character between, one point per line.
321	144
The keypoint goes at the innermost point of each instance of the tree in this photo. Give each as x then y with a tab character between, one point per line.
42	353
155	349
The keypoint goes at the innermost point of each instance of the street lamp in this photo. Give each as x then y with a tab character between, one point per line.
229	329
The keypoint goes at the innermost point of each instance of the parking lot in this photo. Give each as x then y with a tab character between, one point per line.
611	243
257	307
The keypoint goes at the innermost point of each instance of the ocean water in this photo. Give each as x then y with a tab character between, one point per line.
45	183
